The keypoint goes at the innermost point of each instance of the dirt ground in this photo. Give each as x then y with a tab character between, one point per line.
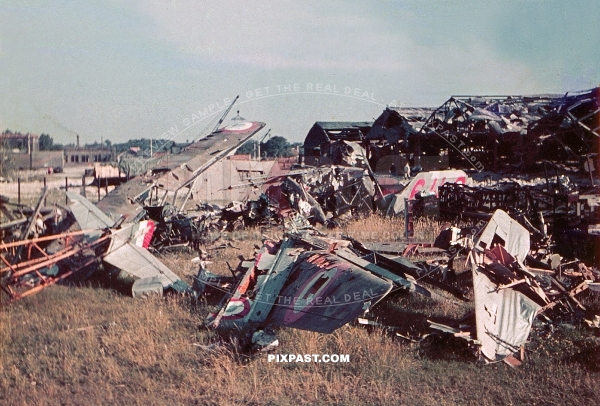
32	182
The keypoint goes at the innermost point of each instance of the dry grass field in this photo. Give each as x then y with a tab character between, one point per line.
90	344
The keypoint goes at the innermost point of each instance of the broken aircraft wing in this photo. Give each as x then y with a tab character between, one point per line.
182	169
140	263
87	214
326	293
122	253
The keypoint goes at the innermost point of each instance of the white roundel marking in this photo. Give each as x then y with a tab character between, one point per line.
238	127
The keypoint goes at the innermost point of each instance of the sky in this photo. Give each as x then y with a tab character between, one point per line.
118	70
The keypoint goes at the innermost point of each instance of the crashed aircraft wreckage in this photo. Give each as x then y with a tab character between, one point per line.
507	296
306	282
310	282
120	240
505	302
315	283
126	250
34	241
512	283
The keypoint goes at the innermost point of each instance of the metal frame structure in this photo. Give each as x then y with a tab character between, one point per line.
26	277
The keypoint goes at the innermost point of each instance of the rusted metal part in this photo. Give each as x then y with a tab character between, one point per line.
26	278
4	246
33	220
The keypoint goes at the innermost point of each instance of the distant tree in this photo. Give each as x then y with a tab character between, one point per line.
108	143
46	142
275	147
246	148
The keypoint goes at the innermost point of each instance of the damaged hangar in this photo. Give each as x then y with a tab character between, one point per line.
498	132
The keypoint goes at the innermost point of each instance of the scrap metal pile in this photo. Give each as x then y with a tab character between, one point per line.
322	195
193	228
551	209
312	282
34	242
54	251
22	222
513	282
326	193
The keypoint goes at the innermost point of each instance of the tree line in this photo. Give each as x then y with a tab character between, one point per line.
275	147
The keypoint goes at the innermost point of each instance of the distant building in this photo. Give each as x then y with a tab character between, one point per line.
89	155
38	159
18	142
22	151
388	143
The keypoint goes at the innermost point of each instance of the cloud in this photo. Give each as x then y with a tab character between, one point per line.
338	36
278	35
119	69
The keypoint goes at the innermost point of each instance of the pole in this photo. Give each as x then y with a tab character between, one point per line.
590	168
409	229
45	188
19	192
29	144
66	189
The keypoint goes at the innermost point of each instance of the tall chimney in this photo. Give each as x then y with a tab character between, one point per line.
77	140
